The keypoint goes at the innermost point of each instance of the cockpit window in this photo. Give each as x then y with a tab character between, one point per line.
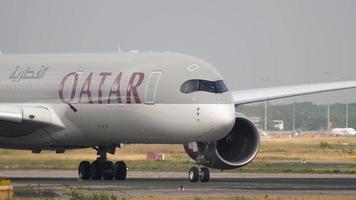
220	86
207	86
203	85
190	86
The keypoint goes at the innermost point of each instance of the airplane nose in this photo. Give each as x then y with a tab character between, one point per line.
222	122
224	119
219	121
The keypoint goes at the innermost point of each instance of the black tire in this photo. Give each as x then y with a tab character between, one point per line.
204	174
96	170
193	174
108	170
84	170
120	170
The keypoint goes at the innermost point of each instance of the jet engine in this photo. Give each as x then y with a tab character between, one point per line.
235	150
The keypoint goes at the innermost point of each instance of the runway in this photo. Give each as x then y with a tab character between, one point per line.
141	183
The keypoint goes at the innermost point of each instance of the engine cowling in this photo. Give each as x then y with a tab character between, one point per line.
235	150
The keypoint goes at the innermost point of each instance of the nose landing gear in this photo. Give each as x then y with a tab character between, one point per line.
102	168
196	173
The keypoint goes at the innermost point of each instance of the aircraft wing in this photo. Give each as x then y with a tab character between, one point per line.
257	95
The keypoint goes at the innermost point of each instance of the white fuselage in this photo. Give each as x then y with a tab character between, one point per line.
89	100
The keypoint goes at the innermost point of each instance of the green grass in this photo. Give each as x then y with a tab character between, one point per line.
168	165
39	164
76	195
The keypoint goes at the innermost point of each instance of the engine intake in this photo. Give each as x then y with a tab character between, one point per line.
236	149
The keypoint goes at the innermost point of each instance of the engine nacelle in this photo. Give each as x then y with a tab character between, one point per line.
235	150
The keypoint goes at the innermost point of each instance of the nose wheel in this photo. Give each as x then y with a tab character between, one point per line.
196	174
102	169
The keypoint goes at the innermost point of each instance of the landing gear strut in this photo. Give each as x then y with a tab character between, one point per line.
102	168
196	173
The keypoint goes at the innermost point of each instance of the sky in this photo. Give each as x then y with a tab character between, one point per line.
252	43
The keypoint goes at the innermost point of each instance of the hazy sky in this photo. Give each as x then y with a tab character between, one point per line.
252	43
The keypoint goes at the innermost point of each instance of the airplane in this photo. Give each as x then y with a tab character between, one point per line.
101	101
343	132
